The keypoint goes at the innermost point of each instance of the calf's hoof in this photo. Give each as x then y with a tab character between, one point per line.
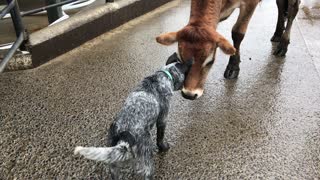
233	69
282	48
163	147
275	38
231	73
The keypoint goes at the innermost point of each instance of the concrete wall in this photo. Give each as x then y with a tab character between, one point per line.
53	41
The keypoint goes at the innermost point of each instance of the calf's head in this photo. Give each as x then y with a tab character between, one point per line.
198	43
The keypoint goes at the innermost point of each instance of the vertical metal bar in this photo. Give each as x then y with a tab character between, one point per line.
18	24
53	13
16	18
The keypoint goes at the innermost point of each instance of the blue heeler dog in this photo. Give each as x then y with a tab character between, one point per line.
129	135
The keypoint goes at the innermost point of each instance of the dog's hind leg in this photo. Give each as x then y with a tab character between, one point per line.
148	164
144	161
161	143
114	171
148	173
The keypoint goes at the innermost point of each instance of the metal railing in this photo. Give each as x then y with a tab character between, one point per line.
21	32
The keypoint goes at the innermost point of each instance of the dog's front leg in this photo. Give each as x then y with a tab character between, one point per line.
161	143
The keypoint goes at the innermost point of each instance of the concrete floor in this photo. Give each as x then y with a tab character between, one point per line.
264	125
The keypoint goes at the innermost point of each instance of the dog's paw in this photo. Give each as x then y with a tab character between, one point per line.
163	147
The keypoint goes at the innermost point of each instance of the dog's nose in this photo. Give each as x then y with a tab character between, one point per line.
192	95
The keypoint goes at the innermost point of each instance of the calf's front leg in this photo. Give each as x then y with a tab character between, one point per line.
238	32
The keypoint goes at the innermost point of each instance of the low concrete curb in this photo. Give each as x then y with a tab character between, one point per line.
55	40
20	61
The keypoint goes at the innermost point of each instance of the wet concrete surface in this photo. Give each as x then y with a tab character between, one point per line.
264	125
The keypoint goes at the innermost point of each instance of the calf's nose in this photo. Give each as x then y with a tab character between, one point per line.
191	94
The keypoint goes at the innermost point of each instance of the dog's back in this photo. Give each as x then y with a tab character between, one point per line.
139	113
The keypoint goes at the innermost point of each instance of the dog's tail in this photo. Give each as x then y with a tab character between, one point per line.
119	153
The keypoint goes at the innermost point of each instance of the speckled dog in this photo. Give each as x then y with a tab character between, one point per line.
129	135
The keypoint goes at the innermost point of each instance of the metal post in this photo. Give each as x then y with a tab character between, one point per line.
16	18
17	23
54	13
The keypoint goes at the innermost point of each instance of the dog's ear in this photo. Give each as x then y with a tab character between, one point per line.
172	59
167	38
187	65
223	43
189	62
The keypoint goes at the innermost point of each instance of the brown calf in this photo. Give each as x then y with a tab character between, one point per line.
199	38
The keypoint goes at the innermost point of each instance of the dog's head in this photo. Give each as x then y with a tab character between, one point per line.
178	70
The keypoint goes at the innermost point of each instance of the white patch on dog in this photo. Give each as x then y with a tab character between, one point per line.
107	154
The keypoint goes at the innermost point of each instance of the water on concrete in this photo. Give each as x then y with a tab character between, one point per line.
264	125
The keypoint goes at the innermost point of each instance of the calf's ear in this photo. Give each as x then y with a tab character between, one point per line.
167	38
223	44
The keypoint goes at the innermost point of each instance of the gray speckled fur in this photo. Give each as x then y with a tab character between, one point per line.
129	135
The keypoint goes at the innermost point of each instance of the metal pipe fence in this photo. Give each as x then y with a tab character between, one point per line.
20	30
